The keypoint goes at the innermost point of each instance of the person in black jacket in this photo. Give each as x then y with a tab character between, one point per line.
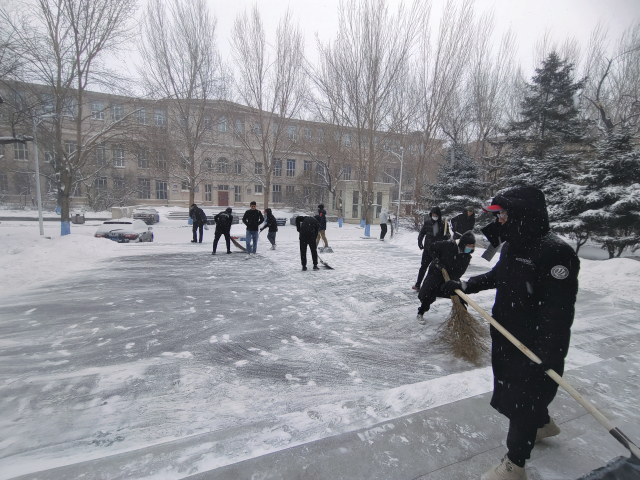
308	228
322	214
536	282
252	219
199	221
272	225
223	220
454	259
432	231
463	222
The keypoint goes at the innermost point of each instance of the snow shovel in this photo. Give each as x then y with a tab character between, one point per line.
614	431
235	242
325	264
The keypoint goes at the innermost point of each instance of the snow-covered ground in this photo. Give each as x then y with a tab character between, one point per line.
108	348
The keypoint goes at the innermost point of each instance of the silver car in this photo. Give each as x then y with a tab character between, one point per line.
124	230
147	215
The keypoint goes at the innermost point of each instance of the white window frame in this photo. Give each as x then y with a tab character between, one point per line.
257	189
118	156
97	109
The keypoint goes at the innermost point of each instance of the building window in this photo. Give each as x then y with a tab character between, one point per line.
378	204
23	183
100	183
143	158
144	188
207	122
159	118
275	130
185	163
101	155
346	172
118	156
354	210
208	165
224	188
258	170
237	197
4	182
257	189
117	113
161	160
69	107
208	193
118	184
291	132
222	124
257	128
97	110
46	103
347	139
320	135
20	151
291	168
161	190
290	191
184	185
307	166
223	165
238	167
70	147
307	133
239	127
277	194
307	195
141	116
277	167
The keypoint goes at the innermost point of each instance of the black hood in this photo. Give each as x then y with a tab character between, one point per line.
228	210
528	218
435	210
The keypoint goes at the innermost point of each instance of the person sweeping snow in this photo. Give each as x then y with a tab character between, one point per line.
432	231
454	259
536	282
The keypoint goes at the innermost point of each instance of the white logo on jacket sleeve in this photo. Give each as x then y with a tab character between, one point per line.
560	272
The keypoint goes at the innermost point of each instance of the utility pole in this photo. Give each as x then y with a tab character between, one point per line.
401	158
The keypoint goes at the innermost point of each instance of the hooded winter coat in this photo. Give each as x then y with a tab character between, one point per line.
463	223
308	228
322	213
223	221
384	216
432	231
272	223
198	216
536	282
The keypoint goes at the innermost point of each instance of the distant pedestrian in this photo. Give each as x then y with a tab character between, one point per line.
272	225
463	222
454	259
252	219
384	219
322	213
199	221
432	231
223	220
308	228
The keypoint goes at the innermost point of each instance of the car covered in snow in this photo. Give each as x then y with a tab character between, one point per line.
124	230
147	215
281	221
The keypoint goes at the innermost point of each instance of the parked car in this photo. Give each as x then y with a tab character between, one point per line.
147	215
281	221
124	230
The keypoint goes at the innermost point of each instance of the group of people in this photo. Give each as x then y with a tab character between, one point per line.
536	282
311	230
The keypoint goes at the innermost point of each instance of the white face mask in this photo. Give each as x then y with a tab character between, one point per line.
434	218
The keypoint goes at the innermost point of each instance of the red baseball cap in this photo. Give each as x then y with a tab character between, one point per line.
492	208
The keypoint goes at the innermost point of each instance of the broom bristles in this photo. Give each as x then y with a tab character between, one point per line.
463	334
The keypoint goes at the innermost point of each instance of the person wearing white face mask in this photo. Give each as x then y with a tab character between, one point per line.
432	231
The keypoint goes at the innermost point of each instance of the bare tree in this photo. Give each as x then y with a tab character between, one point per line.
182	66
64	44
358	75
271	82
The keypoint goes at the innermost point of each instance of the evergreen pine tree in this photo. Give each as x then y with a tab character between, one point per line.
608	205
459	184
549	121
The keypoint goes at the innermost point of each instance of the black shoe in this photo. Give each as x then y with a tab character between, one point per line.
315	267
213	253
228	252
304	269
193	241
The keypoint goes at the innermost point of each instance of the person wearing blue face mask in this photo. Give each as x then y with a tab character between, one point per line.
454	258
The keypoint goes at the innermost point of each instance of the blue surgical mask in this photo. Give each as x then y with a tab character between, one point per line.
468	250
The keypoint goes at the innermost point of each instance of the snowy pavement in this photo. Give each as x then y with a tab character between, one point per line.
117	353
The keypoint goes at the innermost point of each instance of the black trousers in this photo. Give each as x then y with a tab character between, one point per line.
429	291
227	239
521	440
426	260
383	230
271	236
311	243
197	227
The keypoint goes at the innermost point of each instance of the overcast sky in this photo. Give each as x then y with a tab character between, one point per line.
528	18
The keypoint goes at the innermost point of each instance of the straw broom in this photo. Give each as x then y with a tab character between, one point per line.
465	336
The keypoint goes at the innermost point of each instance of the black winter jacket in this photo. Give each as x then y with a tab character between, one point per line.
453	260
252	219
198	216
223	221
272	224
308	228
426	233
463	223
323	219
536	282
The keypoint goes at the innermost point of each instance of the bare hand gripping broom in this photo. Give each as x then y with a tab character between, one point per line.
614	431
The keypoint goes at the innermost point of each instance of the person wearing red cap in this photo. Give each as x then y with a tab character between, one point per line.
536	282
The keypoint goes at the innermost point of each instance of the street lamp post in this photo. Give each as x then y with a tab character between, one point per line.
401	158
36	121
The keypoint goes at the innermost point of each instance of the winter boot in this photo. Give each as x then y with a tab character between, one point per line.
416	287
213	253
315	267
273	247
304	269
229	251
421	319
193	241
507	470
549	430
